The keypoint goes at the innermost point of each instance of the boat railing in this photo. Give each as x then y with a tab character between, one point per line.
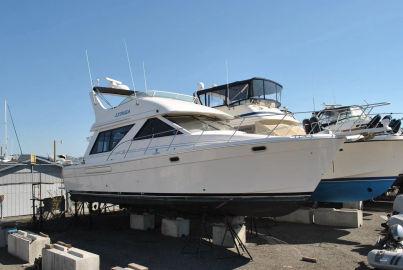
119	150
167	94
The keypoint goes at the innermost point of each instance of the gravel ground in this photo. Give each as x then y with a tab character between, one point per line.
278	246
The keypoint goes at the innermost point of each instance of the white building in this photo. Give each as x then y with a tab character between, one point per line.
21	181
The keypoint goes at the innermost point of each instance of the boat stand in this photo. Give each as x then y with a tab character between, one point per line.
239	245
252	230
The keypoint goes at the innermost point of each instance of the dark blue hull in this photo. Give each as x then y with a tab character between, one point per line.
352	189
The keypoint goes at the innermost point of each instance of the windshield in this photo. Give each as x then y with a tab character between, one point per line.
330	116
264	89
194	123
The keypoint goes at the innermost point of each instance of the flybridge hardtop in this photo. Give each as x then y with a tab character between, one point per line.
140	105
236	92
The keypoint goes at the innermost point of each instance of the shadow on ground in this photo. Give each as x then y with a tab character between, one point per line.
7	259
118	245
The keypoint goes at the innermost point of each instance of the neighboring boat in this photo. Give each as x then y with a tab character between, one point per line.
364	168
159	150
353	120
378	148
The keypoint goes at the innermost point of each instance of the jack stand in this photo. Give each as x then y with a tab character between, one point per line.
253	227
236	239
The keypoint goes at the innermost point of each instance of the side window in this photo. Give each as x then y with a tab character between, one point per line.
107	140
154	128
117	135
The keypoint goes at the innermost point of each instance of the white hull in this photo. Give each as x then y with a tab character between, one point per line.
380	157
293	168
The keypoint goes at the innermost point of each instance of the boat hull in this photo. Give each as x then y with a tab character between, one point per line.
268	177
259	205
363	171
352	189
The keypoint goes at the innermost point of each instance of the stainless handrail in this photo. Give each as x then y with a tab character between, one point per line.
237	129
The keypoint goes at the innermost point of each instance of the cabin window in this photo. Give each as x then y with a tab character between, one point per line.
154	128
194	123
107	140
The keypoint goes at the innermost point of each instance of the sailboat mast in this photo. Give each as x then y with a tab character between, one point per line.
5	128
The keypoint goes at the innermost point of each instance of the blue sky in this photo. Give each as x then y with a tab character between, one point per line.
343	51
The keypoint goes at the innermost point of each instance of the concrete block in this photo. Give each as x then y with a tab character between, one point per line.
58	257
222	236
348	218
142	222
175	227
353	205
26	246
303	215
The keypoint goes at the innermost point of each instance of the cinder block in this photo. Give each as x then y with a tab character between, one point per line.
348	218
303	215
26	246
175	227
58	257
223	237
142	222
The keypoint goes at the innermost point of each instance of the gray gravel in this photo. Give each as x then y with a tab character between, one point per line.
279	246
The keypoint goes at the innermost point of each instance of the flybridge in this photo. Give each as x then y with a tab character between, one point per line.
235	92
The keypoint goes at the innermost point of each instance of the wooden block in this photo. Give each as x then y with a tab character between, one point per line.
135	266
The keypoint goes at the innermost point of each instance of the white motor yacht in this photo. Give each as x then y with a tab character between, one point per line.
364	168
161	151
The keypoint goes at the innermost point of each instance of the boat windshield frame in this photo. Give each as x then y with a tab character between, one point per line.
198	123
157	93
351	112
236	93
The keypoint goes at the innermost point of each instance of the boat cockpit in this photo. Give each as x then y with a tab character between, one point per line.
255	90
333	114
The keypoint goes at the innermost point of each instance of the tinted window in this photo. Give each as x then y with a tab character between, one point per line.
107	140
198	123
238	92
258	89
154	128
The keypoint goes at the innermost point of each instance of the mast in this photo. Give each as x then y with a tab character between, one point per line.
5	128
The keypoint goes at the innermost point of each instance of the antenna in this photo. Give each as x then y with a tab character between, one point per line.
89	69
5	129
226	69
145	78
15	130
130	66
